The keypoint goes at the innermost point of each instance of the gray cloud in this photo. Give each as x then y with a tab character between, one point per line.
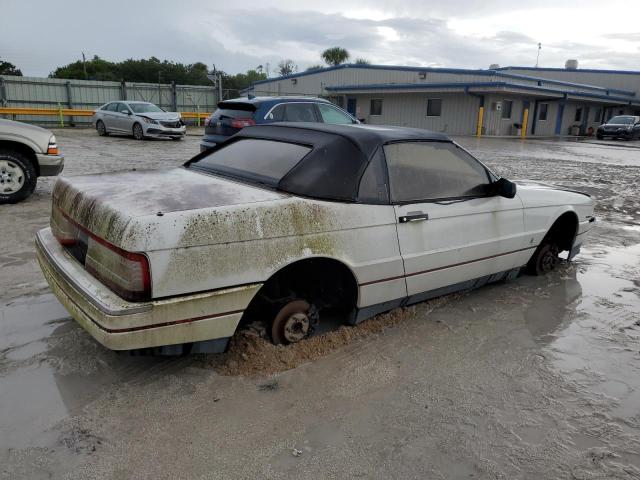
238	37
630	37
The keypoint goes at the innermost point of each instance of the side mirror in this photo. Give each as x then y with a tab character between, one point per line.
504	188
126	112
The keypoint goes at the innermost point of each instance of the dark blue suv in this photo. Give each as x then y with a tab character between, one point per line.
233	115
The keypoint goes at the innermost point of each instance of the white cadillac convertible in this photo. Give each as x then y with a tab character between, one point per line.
288	224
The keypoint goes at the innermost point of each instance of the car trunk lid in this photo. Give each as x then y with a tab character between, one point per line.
105	204
230	118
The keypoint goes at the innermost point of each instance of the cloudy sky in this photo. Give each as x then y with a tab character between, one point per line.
39	35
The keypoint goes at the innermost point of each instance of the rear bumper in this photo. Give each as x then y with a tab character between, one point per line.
50	165
121	325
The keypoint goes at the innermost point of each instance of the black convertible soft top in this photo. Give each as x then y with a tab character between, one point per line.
340	154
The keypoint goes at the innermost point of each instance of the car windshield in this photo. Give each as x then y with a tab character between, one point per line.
621	120
261	161
144	108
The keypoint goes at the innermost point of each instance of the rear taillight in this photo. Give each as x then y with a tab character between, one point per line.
125	273
63	228
52	148
242	122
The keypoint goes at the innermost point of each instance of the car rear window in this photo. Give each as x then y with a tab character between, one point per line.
622	120
231	113
262	161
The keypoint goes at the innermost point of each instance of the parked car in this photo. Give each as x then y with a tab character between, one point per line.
26	153
620	126
287	223
233	115
140	119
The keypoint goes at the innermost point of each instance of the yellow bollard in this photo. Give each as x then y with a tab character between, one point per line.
60	115
525	121
480	119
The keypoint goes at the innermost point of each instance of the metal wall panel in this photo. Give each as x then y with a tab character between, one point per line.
314	84
623	81
458	116
494	124
547	127
33	92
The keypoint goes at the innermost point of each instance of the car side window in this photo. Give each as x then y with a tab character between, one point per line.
433	170
373	184
332	115
300	112
276	114
122	108
111	107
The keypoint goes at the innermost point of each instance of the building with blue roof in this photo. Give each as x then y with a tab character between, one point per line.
455	101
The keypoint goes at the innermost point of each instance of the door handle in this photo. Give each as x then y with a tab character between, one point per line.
413	217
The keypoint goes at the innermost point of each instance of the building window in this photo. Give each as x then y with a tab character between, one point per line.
506	108
376	106
578	116
597	115
543	110
434	107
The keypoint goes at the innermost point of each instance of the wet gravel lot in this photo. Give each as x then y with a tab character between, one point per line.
536	378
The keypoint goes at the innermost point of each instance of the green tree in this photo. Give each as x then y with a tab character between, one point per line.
314	67
335	56
7	68
149	70
362	61
286	67
241	81
97	69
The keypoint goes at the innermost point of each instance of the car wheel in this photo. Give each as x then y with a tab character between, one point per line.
102	130
17	176
138	133
292	323
544	259
599	137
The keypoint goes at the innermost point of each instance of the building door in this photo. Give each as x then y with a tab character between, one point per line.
351	106
585	120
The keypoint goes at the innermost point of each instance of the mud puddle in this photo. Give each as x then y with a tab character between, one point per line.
50	368
597	343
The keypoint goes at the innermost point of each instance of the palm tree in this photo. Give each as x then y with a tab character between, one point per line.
362	61
287	67
335	55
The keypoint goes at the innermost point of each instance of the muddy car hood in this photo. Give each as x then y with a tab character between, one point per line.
114	204
536	194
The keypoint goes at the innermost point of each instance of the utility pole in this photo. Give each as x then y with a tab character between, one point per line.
84	65
159	91
216	78
538	57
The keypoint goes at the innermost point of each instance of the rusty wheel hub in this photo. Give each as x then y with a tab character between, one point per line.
293	322
296	327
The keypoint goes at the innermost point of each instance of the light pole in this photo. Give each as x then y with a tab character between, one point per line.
538	57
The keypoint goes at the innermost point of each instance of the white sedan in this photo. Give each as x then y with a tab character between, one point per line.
139	119
288	223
